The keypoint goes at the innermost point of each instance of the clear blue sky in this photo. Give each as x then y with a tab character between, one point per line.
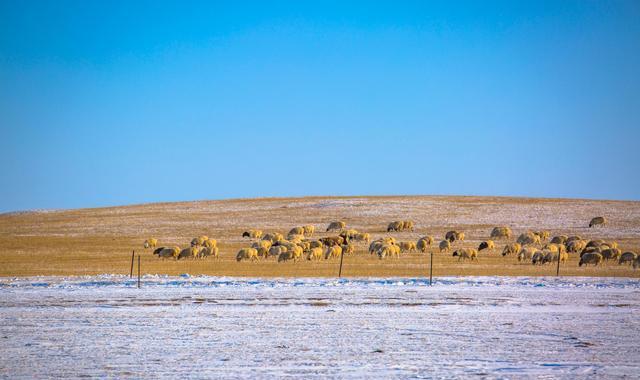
109	103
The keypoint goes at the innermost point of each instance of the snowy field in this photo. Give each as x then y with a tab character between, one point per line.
212	327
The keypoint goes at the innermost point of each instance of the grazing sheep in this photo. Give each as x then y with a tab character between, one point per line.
276	250
538	257
334	251
407	225
551	257
332	240
526	253
265	244
309	229
590	249
466	253
315	254
598	221
444	246
362	236
285	256
375	245
157	250
450	236
209	251
210	243
296	231
348	234
273	237
560	239
575	246
388	250
407	246
590	258
636	263
395	226
572	238
595	243
253	234
489	244
247	254
611	254
424	243
627	258
188	253
555	247
511	248
336	226
168	252
198	241
528	238
315	244
348	249
543	235
501	232
150	243
296	252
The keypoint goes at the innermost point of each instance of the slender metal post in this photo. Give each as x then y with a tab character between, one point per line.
558	267
138	271
340	271
431	270
133	254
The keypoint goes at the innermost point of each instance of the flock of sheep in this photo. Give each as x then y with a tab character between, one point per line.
536	247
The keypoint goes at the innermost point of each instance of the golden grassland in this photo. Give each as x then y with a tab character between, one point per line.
96	241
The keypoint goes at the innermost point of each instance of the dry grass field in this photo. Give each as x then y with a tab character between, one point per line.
96	241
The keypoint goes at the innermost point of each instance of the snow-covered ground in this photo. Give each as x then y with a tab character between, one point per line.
211	327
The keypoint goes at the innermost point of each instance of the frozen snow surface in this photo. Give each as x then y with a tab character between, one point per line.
212	327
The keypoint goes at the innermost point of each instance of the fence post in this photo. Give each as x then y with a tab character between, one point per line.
133	254
138	271
558	267
431	270
340	270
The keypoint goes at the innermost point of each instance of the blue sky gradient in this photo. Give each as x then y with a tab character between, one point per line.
109	103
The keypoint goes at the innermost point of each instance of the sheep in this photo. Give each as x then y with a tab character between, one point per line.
450	236
526	253
296	252
198	241
389	240
460	236
590	258
247	254
276	250
407	225
362	236
407	246
150	243
296	231
332	240
444	246
543	235
489	244
315	244
511	248
285	256
636	263
210	243
611	254
395	226
262	252
209	251
598	221
590	249
501	232
466	253
273	237
168	252
264	244
595	243
157	250
555	247
348	234
572	238
538	257
575	246
314	254
309	229
334	251
560	239
528	238
348	249
253	234
188	253
627	258
550	257
424	243
336	226
375	245
388	250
